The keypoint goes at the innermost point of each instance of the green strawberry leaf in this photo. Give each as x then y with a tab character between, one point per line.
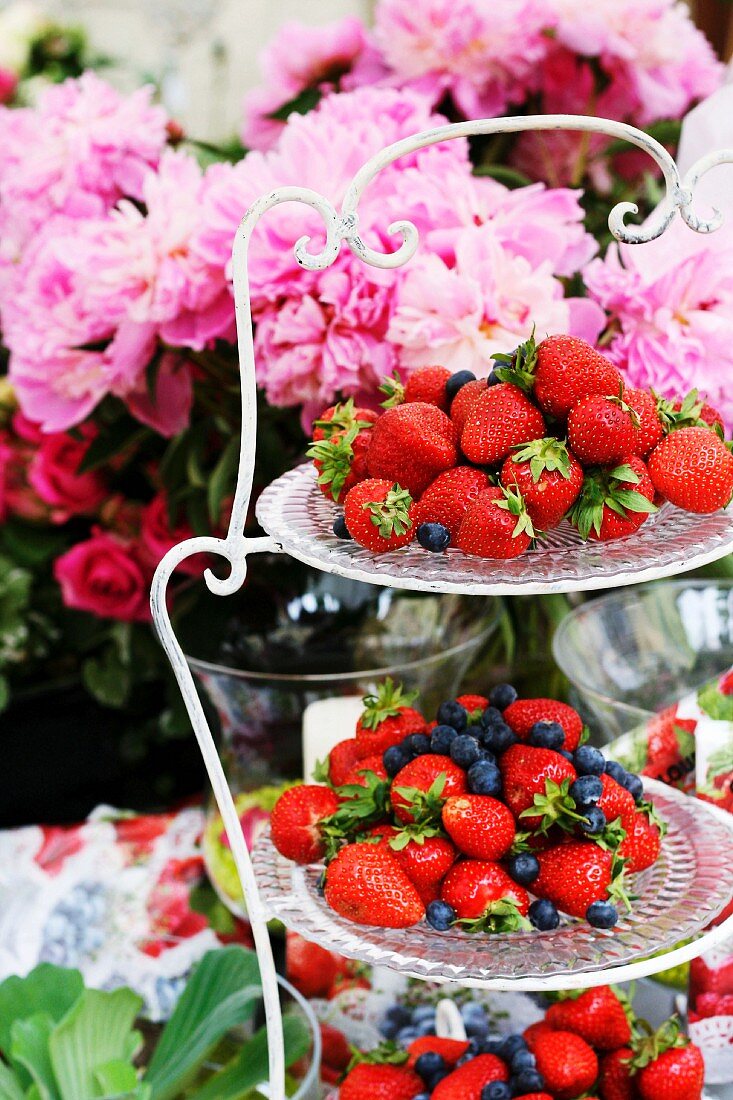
387	702
500	916
715	704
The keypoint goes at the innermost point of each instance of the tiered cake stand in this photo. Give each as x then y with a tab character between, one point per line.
690	885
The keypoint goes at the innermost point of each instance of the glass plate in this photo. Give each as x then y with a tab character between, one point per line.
294	511
677	897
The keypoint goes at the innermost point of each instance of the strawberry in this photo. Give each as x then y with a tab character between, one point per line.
412	444
342	982
422	786
616	801
541	1096
614	503
310	968
484	897
365	884
295	822
373	764
567	1063
388	712
643	842
342	418
574	875
597	1015
480	826
693	469
464	401
561	371
649	431
669	740
615	1081
335	1049
526	771
425	859
522	714
380	1082
474	705
428	384
533	1032
602	430
496	525
450	1050
548	476
342	760
667	1065
378	515
468	1081
501	417
340	461
690	411
446	499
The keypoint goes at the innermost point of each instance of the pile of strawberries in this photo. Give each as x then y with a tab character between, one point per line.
457	820
589	1044
488	466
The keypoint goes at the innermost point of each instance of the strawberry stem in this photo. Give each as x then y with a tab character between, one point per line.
387	702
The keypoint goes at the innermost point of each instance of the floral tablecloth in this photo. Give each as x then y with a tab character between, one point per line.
123	898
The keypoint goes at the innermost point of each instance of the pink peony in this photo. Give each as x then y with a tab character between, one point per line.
168	410
299	57
105	576
54	475
672	303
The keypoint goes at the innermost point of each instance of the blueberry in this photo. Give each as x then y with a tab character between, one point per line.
492	1046
422	1096
340	529
395	758
511	1045
434	537
477	1030
491	717
587	788
395	1018
406	1035
566	754
499	738
616	771
441	739
451	713
527	1081
547	735
543	915
457	381
437	1078
421	1013
524	868
417	743
484	778
602	914
467	1057
595	820
440	915
465	751
589	761
502	696
475	731
634	786
493	379
496	1090
472	1010
426	1027
428	1064
474	1044
523	1059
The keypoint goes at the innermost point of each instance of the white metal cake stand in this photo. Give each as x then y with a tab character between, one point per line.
292	513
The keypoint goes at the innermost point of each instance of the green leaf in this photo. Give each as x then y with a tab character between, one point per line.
250	1068
715	704
4	692
48	989
10	1088
510	177
116	1078
220	994
113	439
107	678
301	104
29	1049
221	480
29	544
97	1030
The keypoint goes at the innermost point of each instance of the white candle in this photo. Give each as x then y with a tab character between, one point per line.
325	723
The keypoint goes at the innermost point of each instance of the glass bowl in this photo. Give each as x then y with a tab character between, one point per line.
631	653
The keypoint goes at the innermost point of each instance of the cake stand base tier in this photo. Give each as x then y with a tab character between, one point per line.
299	518
688	887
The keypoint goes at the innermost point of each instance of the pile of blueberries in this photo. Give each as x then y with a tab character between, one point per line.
402	1024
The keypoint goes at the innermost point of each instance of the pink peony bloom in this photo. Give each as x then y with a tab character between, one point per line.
486	55
104	575
168	410
672	301
299	57
487	303
54	474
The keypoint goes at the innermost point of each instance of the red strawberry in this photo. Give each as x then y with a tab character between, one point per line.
691	411
340	461
412	444
468	1081
387	711
423	776
643	842
525	771
614	503
574	875
310	968
693	469
602	430
496	525
597	1015
295	822
669	1066
650	430
616	801
342	418
541	1096
464	401
428	384
345	981
446	499
548	476
373	764
425	859
533	1032
344	757
475	705
501	417
669	740
522	714
380	1082
615	1081
365	884
480	826
485	897
568	1065
335	1049
378	515
450	1050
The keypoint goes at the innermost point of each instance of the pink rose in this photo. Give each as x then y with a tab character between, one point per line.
157	537
8	84
105	576
54	474
17	498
